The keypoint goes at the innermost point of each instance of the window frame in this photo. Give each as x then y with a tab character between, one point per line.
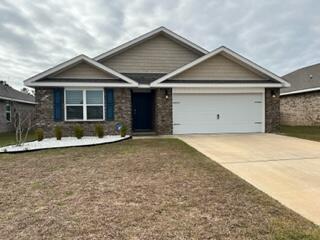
84	105
8	111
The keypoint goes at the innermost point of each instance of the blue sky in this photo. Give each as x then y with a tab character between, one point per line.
36	35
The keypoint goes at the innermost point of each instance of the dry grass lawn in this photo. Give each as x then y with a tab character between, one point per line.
138	189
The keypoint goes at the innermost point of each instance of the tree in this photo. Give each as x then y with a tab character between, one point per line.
23	121
28	91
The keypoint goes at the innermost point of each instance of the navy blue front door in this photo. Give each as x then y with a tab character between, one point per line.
142	111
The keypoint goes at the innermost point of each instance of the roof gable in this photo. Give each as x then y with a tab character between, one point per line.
72	63
146	36
159	54
219	67
83	70
232	55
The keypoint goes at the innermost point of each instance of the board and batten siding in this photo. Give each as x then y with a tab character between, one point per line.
83	70
156	55
218	67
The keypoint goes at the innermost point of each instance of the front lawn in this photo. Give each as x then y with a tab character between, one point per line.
311	133
138	189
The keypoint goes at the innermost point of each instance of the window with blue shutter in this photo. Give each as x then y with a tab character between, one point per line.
58	104
109	103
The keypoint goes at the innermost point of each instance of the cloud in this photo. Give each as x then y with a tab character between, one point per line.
36	35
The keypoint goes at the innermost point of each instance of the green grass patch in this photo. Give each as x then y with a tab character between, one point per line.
9	138
305	132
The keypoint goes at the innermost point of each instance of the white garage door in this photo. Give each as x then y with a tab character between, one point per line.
217	113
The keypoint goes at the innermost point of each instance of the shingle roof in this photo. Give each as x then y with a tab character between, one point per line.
8	93
303	79
144	78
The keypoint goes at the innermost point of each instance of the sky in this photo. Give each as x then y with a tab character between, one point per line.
36	35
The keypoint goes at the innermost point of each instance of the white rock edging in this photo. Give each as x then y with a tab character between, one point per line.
48	143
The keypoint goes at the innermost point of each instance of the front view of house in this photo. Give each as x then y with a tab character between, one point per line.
159	83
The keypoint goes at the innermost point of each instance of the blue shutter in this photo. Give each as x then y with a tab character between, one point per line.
58	104
109	103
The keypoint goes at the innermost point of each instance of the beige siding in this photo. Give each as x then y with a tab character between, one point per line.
157	55
218	67
83	70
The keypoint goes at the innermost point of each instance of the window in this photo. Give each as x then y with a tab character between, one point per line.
8	112
84	105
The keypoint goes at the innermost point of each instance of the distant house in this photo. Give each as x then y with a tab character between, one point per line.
300	103
11	100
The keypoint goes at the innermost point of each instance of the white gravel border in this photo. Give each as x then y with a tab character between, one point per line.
64	142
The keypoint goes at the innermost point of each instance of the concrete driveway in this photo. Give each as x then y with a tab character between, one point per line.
286	168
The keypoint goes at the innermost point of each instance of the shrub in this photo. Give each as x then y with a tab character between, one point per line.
78	131
99	130
123	131
58	132
39	134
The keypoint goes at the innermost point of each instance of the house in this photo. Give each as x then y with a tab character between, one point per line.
300	104
159	82
12	100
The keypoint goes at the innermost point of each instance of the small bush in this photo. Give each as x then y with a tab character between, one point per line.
58	132
78	131
99	130
39	134
123	131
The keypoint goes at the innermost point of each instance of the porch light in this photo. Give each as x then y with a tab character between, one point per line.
273	94
167	94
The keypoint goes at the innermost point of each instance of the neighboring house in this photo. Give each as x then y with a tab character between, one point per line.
300	104
162	83
12	100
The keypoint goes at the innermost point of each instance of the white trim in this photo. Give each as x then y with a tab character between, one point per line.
31	81
221	49
263	130
84	105
148	35
79	84
301	91
6	111
217	85
17	100
217	90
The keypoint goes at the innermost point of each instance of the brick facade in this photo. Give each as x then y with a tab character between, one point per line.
163	111
123	112
44	114
272	110
300	109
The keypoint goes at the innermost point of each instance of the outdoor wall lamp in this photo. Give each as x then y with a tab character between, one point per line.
273	93
166	94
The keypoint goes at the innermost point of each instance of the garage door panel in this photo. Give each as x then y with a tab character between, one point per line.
217	113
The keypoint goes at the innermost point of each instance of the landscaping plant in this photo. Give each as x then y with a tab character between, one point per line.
78	131
39	134
99	130
58	132
123	130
